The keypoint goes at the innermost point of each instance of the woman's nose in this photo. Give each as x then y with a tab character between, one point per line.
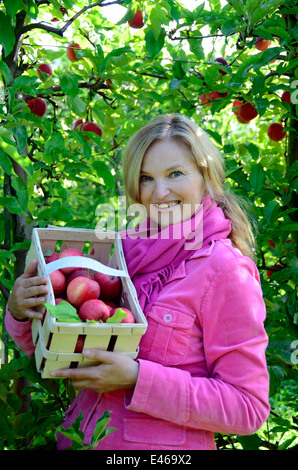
161	190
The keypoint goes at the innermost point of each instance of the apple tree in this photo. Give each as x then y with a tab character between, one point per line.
76	82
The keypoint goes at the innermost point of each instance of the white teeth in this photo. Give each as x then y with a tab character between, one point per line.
166	206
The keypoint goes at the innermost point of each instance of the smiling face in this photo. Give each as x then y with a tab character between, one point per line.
169	180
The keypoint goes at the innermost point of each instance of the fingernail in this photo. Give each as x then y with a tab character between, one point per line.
53	373
86	352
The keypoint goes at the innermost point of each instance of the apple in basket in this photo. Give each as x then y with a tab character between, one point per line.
129	316
81	289
110	286
94	309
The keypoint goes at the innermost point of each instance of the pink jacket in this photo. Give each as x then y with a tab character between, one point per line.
202	361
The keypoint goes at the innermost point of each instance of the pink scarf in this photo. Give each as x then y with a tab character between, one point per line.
151	260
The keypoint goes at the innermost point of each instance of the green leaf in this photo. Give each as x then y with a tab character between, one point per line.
118	316
5	72
12	204
7	36
5	163
250	442
12	7
238	6
54	144
77	105
100	428
257	178
103	172
154	45
69	85
63	312
178	71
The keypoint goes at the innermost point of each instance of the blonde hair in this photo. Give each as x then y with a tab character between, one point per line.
210	163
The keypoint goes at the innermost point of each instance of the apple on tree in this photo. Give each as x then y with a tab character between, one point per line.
247	112
276	132
77	124
262	44
37	106
137	21
71	51
43	70
222	61
91	127
286	96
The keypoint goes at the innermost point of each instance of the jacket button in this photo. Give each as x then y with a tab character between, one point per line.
167	317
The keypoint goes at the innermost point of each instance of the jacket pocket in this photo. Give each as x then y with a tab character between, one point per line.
153	431
168	335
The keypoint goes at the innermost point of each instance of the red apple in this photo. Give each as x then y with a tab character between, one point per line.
52	257
81	289
222	61
215	95
91	127
269	272
69	252
58	300
94	309
77	124
110	286
236	105
129	316
58	281
137	21
44	69
247	112
79	272
286	96
276	132
262	44
37	106
80	344
71	51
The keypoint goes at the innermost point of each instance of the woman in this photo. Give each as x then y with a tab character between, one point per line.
201	365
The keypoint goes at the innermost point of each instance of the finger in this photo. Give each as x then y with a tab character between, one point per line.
33	302
81	373
34	281
34	291
33	314
100	355
31	269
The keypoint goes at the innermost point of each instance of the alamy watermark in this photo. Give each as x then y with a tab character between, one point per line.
133	221
294	355
294	94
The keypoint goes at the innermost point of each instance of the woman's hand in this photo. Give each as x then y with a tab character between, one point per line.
115	372
29	291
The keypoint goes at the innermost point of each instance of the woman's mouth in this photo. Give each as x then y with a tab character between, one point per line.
167	205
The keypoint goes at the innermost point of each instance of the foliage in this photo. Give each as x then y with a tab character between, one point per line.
51	174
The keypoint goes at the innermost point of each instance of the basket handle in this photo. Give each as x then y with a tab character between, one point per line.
82	262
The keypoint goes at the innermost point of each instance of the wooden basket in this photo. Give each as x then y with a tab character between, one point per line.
55	341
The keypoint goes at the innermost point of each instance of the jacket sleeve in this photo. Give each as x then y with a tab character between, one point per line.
20	332
233	399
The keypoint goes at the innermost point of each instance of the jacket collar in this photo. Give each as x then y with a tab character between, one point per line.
180	272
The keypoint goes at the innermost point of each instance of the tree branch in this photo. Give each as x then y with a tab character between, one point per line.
61	31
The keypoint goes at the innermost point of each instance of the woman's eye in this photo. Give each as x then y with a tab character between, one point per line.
177	173
145	178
